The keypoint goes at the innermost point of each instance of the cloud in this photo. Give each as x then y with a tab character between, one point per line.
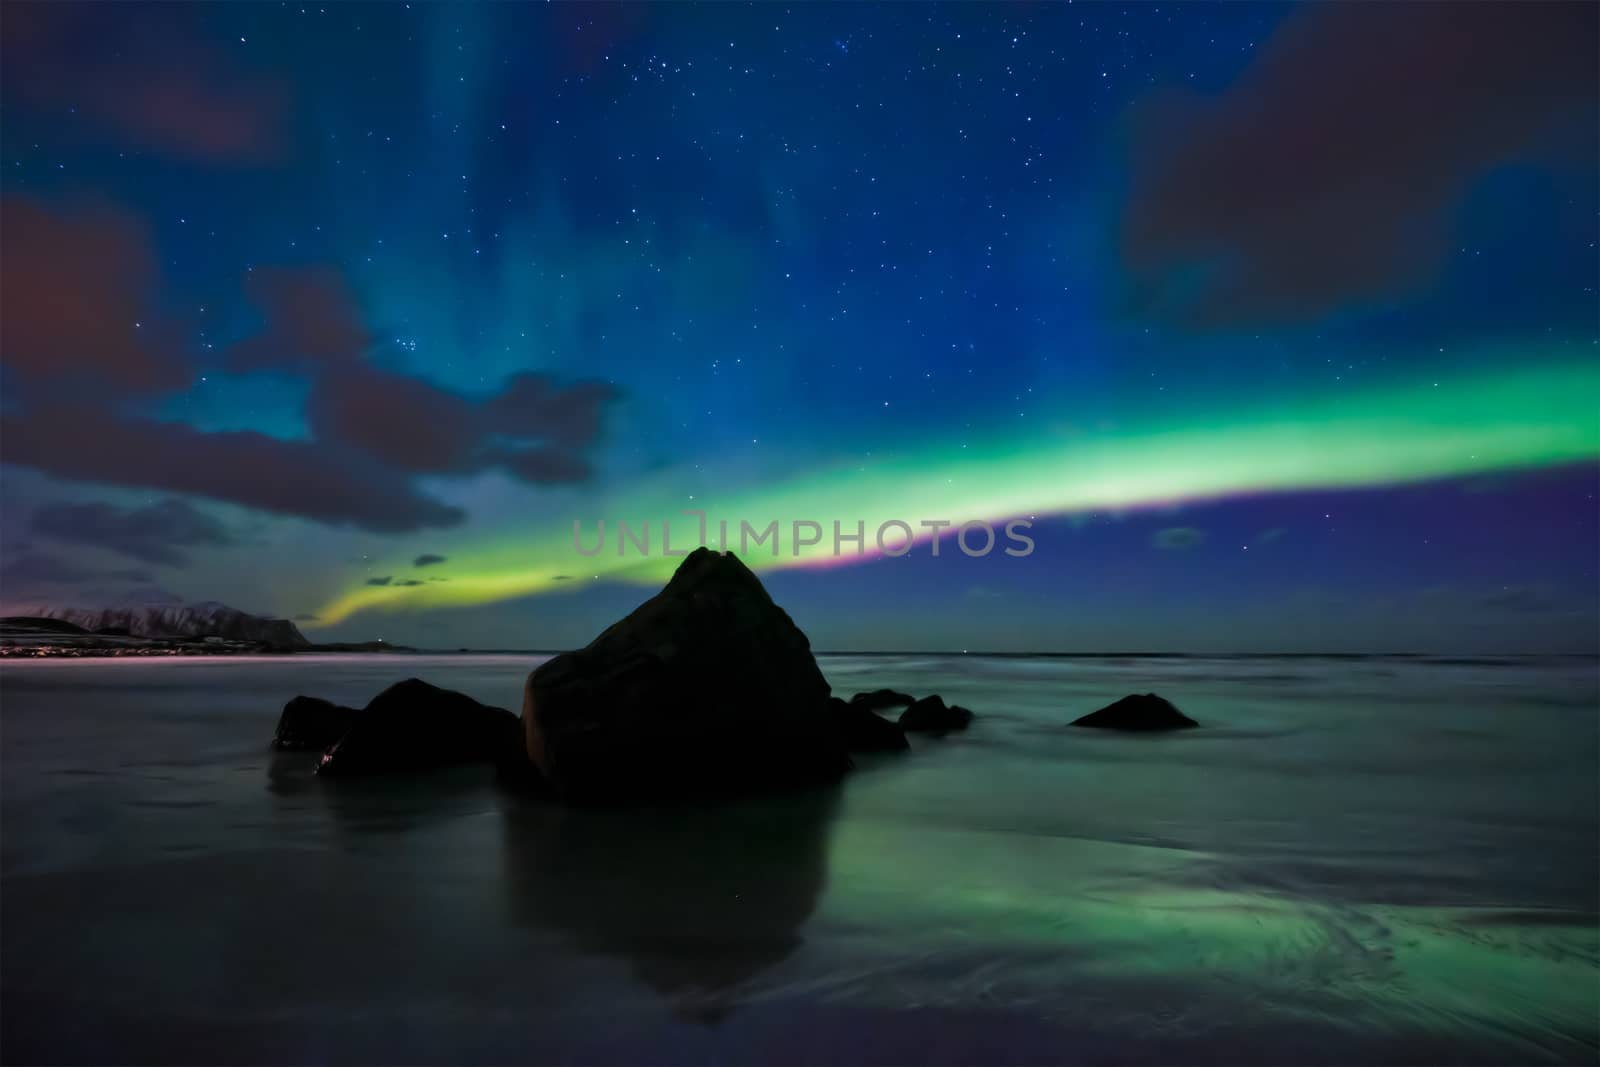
409	581
534	428
38	568
86	352
299	478
384	580
1329	171
78	287
427	559
1177	538
156	533
143	78
311	318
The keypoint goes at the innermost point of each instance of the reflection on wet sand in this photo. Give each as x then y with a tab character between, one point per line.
697	900
380	804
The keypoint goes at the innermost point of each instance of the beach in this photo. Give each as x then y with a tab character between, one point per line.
1354	858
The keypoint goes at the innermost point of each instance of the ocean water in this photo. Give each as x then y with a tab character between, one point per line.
1355	860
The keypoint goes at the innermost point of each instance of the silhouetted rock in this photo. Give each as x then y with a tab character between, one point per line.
865	731
882	698
932	715
1138	712
706	689
415	726
517	773
309	723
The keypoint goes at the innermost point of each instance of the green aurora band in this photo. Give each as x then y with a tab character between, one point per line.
1536	415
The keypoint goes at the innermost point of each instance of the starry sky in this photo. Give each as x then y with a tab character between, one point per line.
1277	323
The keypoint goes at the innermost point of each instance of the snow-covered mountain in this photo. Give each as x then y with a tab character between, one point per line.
206	618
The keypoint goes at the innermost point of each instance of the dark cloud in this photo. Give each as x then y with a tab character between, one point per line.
144	77
410	581
587	39
1178	538
39	568
78	290
427	559
300	478
534	429
311	320
541	466
534	406
384	580
156	533
1330	171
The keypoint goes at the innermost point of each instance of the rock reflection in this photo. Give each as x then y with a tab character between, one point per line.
697	900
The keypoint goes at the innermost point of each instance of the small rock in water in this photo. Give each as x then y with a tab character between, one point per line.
1141	712
933	716
882	698
413	726
864	730
311	723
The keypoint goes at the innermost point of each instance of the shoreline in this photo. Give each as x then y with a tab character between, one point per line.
148	648
190	649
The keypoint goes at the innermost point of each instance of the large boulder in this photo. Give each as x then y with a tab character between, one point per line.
863	730
931	715
707	689
413	726
311	723
1140	712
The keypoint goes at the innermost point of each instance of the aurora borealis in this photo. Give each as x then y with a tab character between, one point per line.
1507	421
347	313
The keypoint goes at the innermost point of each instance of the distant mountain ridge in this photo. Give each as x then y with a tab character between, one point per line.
207	618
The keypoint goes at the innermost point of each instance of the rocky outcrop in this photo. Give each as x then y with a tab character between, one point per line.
176	620
882	698
1138	712
311	723
863	730
707	689
933	716
414	726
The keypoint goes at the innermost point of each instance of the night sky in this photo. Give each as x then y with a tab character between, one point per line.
1280	324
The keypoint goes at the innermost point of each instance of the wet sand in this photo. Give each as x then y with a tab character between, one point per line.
1384	861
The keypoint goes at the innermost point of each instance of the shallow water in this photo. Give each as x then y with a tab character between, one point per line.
1357	859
